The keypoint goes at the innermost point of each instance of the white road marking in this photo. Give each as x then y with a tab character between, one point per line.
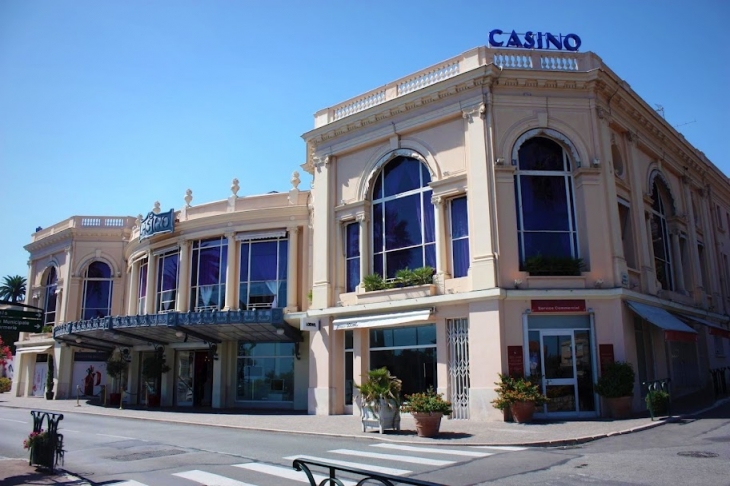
394	457
131	482
380	469
68	430
210	479
287	473
434	450
121	437
16	421
503	448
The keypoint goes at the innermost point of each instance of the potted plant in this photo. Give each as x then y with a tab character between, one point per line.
49	378
427	408
152	368
616	385
657	401
380	400
41	449
519	395
115	368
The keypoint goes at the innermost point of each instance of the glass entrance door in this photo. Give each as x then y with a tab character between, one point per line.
564	363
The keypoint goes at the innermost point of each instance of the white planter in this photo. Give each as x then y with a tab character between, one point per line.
381	415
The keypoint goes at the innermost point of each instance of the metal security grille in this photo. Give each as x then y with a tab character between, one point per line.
458	332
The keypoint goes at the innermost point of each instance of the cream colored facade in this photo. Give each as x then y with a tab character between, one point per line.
646	213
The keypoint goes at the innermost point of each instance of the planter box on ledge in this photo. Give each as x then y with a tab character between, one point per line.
402	293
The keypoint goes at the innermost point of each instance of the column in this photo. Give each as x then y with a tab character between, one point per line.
363	220
479	201
322	229
677	262
62	313
231	273
712	287
183	283
439	218
133	289
151	298
292	282
651	285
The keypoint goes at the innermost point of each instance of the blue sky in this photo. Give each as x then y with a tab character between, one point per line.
107	107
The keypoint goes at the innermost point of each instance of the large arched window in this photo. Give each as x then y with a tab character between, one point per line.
49	306
97	291
546	223
660	235
403	219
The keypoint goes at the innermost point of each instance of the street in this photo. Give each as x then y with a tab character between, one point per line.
125	452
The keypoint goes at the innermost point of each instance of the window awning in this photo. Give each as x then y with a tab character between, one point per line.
674	329
714	329
381	319
33	349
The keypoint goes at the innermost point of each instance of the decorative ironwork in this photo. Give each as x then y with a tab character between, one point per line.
368	477
155	224
458	338
45	452
658	385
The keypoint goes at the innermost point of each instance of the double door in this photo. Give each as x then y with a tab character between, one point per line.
563	360
193	378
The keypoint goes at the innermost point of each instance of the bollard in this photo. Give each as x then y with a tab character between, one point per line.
77	396
121	400
103	395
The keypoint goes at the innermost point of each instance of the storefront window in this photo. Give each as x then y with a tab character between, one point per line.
265	372
409	353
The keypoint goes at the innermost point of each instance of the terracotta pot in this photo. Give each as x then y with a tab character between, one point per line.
427	424
522	412
620	408
114	399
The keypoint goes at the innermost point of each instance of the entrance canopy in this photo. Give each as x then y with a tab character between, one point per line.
714	329
211	327
382	319
674	329
33	349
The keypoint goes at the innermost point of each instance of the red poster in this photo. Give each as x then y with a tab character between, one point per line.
605	353
714	331
558	306
515	361
687	337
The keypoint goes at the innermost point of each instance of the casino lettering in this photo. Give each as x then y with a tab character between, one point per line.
535	40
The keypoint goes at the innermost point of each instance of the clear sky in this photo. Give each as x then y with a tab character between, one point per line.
108	106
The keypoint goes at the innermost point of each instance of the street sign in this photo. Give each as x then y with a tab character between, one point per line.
21	321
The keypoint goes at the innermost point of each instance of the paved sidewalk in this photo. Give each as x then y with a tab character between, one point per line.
453	432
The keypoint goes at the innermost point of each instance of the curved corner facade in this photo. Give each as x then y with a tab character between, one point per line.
505	211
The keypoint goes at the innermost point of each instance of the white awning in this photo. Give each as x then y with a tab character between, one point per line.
381	319
260	235
33	349
714	329
660	318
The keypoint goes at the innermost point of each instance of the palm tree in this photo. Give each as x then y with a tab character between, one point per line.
13	288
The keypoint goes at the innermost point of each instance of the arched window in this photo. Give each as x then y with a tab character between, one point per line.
97	291
660	235
49	314
546	223
403	220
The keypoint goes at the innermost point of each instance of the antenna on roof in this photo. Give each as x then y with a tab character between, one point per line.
685	123
660	110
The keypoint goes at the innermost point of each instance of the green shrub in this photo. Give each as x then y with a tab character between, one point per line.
426	402
5	384
553	266
380	384
617	381
375	281
517	389
657	401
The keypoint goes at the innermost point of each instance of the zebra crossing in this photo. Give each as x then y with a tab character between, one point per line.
385	458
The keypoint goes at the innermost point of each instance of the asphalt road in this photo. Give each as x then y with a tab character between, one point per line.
108	450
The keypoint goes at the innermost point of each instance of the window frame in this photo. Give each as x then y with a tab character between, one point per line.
220	242
106	311
161	259
465	237
281	275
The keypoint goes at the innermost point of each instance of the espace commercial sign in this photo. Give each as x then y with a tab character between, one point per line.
534	40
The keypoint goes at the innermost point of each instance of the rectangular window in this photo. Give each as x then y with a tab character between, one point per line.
352	256
263	271
459	236
265	372
703	267
719	346
208	274
409	353
627	234
167	273
726	272
142	294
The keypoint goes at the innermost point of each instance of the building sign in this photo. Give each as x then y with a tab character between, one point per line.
155	224
515	361
534	40
558	306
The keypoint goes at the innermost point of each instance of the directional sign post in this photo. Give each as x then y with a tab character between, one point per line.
21	321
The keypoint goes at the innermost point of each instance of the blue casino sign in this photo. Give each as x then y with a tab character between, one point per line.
534	40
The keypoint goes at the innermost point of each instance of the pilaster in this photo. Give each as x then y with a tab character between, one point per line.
151	297
183	283
638	217
292	282
232	270
698	290
322	262
133	295
363	220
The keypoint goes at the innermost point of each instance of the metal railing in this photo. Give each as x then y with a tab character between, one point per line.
368	477
657	386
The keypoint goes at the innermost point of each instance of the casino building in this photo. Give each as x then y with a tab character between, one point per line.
566	224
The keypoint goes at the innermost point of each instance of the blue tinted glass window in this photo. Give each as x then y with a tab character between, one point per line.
283	256
401	175
541	154
352	256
